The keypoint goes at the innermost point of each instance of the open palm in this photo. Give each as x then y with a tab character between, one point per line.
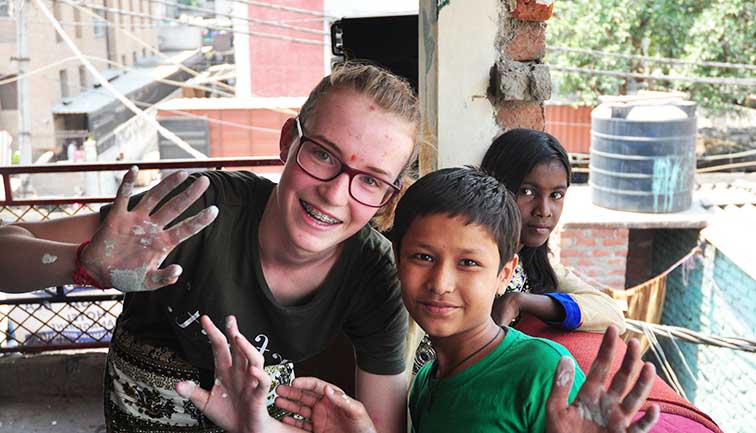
130	245
598	409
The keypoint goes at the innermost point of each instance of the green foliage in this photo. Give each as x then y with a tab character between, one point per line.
16	158
696	30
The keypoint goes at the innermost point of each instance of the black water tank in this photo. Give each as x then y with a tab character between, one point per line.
643	156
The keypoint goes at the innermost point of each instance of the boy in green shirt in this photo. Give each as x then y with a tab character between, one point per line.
455	236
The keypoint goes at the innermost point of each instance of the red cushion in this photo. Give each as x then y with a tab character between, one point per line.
584	347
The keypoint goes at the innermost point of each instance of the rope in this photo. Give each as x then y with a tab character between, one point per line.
690	336
704	80
652	59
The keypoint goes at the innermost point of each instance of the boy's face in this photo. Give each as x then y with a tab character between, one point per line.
450	274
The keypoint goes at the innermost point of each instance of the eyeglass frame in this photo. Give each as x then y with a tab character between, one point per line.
345	168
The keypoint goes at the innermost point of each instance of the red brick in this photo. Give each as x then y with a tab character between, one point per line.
570	253
584	263
621	253
521	114
530	10
614	261
613	242
528	43
599	252
586	242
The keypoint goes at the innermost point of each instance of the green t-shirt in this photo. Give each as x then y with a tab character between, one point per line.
506	391
223	275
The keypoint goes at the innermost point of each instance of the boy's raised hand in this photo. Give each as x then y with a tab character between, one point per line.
326	408
129	246
236	403
597	409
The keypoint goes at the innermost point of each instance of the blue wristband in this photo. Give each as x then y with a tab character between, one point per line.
573	318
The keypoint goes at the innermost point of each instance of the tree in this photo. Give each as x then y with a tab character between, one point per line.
696	30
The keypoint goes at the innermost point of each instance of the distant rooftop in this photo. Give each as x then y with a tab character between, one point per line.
136	77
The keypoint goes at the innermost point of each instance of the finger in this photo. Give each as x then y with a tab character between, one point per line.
164	277
561	385
257	385
298	423
250	352
648	420
313	384
193	392
238	359
158	192
192	225
180	202
630	364
307	398
637	396
342	401
602	364
221	354
120	204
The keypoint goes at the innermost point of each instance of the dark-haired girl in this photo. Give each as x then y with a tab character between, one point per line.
536	168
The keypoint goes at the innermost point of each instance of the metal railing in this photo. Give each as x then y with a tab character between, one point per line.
72	317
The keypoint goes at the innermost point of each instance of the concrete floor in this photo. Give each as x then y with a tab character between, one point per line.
59	392
52	415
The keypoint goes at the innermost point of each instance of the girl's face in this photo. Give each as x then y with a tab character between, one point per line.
540	199
316	215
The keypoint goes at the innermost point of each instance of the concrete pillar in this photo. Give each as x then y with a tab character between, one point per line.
480	73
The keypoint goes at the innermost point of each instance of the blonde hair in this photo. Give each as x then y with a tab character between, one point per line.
388	91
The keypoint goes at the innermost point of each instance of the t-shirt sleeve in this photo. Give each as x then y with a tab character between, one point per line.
377	325
546	355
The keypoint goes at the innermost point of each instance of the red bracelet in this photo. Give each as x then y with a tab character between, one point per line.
80	275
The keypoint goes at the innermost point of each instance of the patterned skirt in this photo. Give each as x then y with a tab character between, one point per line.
140	389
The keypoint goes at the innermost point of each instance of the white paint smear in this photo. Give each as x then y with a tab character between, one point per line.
49	259
544	2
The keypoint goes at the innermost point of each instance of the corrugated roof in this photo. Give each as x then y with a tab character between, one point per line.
147	71
731	198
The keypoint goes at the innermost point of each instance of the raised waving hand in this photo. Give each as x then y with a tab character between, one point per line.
129	246
598	409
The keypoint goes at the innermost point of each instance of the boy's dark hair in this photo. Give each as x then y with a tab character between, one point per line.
509	159
462	192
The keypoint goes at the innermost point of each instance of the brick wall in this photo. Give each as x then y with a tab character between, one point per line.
520	82
600	253
714	297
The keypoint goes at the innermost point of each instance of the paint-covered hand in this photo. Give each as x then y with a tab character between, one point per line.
129	247
597	409
236	403
324	408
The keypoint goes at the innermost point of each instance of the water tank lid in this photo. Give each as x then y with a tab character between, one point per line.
656	113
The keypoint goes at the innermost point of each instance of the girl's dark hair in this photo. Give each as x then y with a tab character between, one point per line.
509	159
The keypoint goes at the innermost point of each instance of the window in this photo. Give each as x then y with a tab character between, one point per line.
8	94
99	24
65	91
82	79
133	58
57	15
77	20
131	10
5	8
123	60
144	52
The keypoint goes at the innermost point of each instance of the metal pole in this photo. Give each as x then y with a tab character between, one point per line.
24	115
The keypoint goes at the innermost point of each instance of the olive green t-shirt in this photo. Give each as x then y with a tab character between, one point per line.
222	276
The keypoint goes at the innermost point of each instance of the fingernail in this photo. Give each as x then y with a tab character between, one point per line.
186	388
229	322
330	390
212	211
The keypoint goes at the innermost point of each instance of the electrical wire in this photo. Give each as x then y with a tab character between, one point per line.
210	27
284	8
104	82
250	20
652	59
704	80
133	37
